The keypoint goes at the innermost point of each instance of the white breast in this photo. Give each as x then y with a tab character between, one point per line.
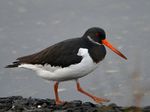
71	72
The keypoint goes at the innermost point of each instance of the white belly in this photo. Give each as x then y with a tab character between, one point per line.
67	73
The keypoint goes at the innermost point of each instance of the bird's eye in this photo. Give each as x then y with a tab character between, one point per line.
97	34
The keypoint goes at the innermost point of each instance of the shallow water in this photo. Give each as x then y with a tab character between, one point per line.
27	26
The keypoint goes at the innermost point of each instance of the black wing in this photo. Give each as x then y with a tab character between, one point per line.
61	54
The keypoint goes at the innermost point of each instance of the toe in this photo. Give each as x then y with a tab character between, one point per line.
59	102
100	100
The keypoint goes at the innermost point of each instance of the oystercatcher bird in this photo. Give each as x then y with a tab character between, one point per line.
69	60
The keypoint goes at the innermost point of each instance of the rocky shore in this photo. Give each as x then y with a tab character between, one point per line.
20	104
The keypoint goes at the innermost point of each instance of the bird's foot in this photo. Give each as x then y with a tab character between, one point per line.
58	102
100	100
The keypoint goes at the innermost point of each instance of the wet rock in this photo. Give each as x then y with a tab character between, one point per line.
20	104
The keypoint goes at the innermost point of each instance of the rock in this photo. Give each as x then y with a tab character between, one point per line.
20	104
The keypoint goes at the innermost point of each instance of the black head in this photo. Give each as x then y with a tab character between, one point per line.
95	34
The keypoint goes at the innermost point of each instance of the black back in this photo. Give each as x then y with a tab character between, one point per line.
63	54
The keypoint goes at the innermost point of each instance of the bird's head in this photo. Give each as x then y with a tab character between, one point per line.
98	36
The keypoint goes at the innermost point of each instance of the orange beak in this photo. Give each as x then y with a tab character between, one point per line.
106	43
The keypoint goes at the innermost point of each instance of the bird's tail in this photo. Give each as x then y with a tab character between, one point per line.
13	65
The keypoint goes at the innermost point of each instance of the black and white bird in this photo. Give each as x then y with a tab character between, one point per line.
69	60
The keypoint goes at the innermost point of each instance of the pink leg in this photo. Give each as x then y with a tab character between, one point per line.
96	99
58	101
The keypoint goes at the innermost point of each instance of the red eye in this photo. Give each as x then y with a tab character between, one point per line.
97	34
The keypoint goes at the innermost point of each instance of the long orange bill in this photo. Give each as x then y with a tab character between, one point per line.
106	42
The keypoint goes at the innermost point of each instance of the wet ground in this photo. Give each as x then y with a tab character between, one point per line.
28	26
20	104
